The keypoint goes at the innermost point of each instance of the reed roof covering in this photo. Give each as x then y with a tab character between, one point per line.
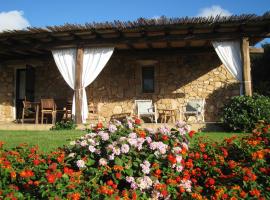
163	32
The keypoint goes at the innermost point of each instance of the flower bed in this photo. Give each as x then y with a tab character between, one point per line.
123	161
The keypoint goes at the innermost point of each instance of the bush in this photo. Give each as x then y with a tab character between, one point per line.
125	162
121	161
242	112
238	168
64	125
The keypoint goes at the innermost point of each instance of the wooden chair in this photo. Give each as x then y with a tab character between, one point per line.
193	107
68	111
48	107
28	109
146	108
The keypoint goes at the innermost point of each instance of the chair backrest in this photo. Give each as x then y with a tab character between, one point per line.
47	104
27	104
196	105
144	106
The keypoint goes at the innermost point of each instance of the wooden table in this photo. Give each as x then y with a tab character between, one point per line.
164	113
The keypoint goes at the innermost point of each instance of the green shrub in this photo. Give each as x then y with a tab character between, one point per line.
64	125
242	112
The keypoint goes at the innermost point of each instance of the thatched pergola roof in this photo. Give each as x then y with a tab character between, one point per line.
142	33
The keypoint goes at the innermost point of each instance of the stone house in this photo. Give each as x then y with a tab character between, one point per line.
167	60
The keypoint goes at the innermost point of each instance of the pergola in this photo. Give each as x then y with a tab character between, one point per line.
184	34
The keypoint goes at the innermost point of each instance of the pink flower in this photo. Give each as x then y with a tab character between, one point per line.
102	161
104	136
125	148
80	164
112	128
91	148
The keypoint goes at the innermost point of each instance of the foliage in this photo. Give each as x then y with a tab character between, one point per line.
120	161
64	125
239	168
124	161
260	71
242	112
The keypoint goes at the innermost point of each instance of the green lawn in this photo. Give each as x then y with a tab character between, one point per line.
50	140
219	136
46	140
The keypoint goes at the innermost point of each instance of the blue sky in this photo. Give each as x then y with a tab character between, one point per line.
56	12
18	14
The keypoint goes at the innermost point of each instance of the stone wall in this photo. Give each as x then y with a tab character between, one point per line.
50	84
178	78
6	93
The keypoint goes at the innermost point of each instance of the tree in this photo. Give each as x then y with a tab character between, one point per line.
260	70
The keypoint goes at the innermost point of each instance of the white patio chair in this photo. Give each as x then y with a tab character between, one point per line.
193	107
146	108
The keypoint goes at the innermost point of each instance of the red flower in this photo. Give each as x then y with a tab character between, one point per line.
13	175
68	171
231	164
197	155
74	196
53	166
134	196
36	162
225	196
210	181
99	125
205	156
158	172
164	193
118	175
213	163
255	192
51	178
142	134
171	158
137	121
225	152
191	133
1	144
165	137
110	182
243	194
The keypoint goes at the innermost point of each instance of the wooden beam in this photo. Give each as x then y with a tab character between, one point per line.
246	66
78	85
256	50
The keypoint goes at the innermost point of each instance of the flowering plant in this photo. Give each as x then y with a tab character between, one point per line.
113	162
125	160
238	168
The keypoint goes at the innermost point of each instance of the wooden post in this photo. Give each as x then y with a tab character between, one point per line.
246	66
78	86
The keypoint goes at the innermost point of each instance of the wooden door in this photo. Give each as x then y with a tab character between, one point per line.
25	85
30	83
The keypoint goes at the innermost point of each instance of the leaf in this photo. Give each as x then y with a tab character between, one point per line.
118	161
90	162
129	172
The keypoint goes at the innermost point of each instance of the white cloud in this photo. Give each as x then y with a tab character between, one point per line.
13	20
213	11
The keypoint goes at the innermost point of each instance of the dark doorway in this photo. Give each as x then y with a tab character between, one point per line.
25	85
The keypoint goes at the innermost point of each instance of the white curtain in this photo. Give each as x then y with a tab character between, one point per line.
229	53
94	60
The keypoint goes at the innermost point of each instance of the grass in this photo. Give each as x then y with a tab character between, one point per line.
219	136
50	140
46	140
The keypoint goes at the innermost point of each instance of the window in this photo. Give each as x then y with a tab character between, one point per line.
148	79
